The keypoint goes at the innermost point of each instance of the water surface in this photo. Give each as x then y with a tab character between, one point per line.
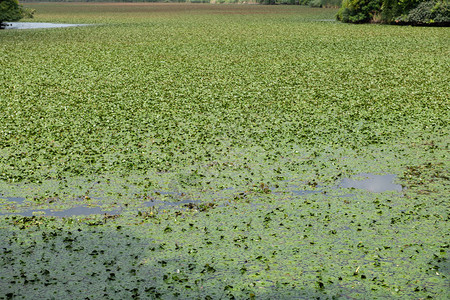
71	212
26	25
372	183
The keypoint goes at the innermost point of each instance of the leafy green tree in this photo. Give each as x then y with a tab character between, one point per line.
10	10
415	12
434	12
392	9
358	11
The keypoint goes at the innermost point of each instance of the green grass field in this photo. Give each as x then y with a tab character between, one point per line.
216	138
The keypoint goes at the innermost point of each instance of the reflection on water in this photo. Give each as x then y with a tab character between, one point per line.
372	183
71	212
300	191
305	192
366	181
26	25
18	200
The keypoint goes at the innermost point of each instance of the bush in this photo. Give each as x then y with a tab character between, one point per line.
430	13
28	13
267	2
10	11
325	3
415	12
358	11
393	9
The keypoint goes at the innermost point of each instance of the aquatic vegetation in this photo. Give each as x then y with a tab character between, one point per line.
229	146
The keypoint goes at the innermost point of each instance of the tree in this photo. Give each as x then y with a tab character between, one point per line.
393	9
414	12
358	11
10	11
432	13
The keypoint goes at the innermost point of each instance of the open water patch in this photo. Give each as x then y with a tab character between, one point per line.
27	25
372	183
71	212
16	200
305	192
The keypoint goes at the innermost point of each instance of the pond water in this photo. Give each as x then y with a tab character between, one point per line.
372	183
365	181
26	25
71	212
305	192
17	200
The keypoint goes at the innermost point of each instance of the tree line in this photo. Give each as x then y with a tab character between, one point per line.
403	12
407	12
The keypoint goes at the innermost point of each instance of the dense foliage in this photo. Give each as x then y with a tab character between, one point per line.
429	13
395	11
10	10
218	139
359	11
392	9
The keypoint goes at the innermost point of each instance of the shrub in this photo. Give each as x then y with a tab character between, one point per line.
392	9
325	3
415	12
10	10
358	11
28	13
267	2
430	13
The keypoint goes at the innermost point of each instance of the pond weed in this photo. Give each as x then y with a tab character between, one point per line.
242	121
